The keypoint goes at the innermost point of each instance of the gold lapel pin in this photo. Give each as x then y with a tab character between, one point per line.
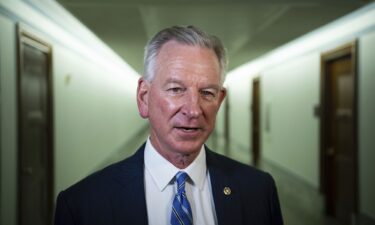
227	191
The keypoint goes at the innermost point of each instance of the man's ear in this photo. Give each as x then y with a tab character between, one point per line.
142	97
222	94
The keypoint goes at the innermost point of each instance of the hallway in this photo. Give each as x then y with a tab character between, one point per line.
300	203
92	118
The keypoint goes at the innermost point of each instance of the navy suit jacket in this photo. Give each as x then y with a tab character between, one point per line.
116	196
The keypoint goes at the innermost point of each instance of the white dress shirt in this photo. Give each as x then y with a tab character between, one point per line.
160	188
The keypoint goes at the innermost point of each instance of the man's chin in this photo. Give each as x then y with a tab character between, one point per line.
188	147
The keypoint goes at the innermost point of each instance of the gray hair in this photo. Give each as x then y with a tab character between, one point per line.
189	35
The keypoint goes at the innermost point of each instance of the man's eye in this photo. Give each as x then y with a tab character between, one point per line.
208	94
175	90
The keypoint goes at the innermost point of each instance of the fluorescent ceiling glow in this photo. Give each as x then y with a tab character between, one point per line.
347	27
83	41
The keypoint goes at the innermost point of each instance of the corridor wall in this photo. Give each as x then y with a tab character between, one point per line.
94	103
367	123
290	93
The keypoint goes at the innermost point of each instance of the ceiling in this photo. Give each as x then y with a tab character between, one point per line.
248	28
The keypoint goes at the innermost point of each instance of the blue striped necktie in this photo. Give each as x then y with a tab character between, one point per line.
181	211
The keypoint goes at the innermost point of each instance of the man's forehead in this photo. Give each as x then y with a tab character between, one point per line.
175	58
173	51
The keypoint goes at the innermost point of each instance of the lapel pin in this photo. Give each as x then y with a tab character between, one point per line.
227	191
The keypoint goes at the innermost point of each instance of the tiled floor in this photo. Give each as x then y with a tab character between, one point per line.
301	204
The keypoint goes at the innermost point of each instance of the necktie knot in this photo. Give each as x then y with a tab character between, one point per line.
181	180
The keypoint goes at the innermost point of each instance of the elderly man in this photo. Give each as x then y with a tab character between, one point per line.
174	178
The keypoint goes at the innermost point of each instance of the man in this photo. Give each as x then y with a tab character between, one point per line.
174	178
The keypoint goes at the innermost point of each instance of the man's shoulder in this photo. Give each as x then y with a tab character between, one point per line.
217	159
236	169
93	199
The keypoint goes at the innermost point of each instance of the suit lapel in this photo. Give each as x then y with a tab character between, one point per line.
129	201
224	190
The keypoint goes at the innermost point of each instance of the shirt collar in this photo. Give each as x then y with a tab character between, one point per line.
163	172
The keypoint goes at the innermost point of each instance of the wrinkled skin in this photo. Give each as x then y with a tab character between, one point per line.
182	100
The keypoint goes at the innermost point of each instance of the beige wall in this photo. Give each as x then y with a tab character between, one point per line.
8	122
366	124
95	114
289	93
290	86
95	111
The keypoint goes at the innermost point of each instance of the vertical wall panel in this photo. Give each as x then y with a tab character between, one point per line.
367	124
8	122
290	130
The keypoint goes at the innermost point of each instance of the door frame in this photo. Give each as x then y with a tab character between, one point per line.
255	153
24	35
341	51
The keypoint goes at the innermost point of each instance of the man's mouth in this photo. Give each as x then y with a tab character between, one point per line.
188	129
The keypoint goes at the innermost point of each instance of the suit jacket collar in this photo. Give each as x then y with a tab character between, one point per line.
131	169
130	176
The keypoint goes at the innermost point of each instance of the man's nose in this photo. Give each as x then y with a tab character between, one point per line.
192	105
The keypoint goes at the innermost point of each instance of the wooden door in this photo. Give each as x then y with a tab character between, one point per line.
255	131
338	134
35	176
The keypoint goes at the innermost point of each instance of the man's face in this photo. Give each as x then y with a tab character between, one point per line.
182	100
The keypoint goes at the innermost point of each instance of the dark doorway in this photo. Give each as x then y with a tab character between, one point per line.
35	131
338	133
255	119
